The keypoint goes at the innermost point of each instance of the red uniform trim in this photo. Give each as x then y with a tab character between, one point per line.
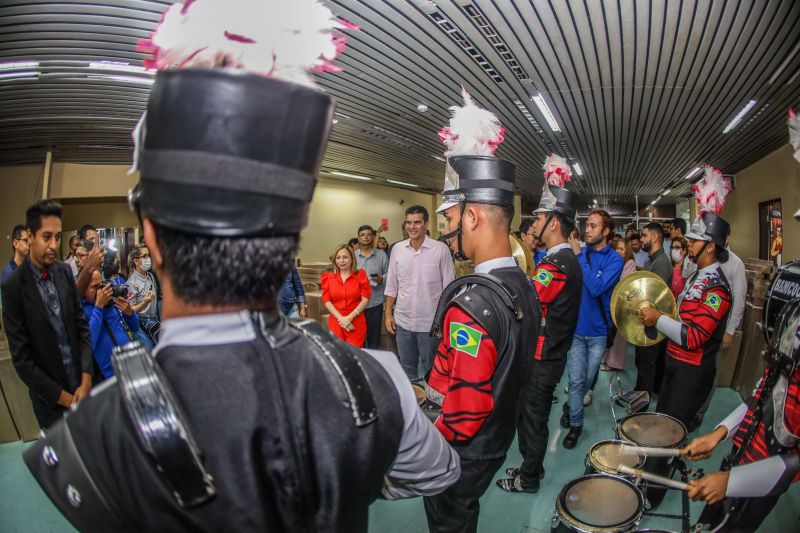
701	320
549	281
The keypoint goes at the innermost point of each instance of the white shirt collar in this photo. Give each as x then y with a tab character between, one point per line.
558	247
492	264
205	330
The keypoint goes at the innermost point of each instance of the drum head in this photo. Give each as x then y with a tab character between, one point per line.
605	457
600	502
419	392
652	429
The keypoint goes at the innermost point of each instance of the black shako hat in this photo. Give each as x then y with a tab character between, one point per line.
559	200
229	153
712	228
479	179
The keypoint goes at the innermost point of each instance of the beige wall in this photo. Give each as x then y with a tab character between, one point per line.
70	180
775	176
20	186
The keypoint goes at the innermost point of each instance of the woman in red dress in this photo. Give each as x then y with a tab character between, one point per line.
346	294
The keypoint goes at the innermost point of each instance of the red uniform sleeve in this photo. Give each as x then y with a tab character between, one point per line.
549	282
462	371
324	282
363	282
705	317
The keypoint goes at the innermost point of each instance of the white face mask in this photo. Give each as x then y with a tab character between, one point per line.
146	264
676	255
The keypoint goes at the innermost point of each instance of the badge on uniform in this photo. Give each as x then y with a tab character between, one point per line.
713	301
543	276
465	339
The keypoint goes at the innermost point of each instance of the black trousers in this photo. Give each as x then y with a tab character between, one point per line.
457	508
374	318
746	514
536	400
647	366
684	389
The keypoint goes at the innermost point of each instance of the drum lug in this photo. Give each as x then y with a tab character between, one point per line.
693	474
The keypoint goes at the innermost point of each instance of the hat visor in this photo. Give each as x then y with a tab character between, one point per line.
542	210
697	237
444	206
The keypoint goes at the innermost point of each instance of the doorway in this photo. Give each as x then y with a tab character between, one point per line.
770	216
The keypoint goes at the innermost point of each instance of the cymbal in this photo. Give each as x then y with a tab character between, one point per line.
639	290
522	255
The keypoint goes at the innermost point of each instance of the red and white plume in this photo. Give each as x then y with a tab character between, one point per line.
278	39
472	130
556	171
793	121
711	191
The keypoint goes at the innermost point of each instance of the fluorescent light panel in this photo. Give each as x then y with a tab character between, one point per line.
119	66
23	74
403	183
16	65
439	158
348	175
691	173
548	115
666	192
132	79
577	168
739	116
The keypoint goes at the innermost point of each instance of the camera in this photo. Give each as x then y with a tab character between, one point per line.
117	291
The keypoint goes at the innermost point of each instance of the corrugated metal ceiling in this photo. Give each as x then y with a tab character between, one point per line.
640	91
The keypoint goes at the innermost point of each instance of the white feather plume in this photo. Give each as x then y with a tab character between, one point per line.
711	191
472	130
285	40
557	171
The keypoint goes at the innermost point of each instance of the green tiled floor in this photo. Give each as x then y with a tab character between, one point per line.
25	509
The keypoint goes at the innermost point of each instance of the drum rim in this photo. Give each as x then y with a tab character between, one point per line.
790	265
420	401
664	415
605	470
565	516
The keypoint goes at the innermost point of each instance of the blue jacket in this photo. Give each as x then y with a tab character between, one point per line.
102	344
599	281
538	255
291	292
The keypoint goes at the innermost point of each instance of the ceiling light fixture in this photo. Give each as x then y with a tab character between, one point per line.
340	115
691	173
16	75
666	192
131	79
403	183
577	168
783	65
739	116
548	115
348	175
335	121
119	66
439	158
16	65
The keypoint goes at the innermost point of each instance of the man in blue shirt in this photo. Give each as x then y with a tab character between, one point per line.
292	298
19	243
601	267
109	325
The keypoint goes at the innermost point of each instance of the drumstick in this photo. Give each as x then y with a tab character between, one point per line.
627	449
665	481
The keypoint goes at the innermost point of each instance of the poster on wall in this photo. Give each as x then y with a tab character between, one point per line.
775	232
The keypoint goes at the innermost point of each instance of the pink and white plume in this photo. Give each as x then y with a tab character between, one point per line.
275	38
793	121
711	191
556	171
472	130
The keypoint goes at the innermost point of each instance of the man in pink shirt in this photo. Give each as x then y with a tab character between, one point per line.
419	270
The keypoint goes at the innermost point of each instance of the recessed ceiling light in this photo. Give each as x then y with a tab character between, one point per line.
739	116
403	183
439	158
335	121
348	175
667	192
692	172
119	66
17	75
16	65
548	115
131	79
578	169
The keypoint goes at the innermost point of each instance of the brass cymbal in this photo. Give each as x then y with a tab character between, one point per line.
639	290
523	256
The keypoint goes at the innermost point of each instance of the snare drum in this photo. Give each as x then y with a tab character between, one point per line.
598	502
604	458
431	410
656	430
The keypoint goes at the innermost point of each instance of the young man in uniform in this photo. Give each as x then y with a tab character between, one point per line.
239	420
488	324
558	279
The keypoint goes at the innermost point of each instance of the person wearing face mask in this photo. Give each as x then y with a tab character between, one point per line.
678	252
142	295
346	292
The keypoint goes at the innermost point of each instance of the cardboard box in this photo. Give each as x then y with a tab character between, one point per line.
315	305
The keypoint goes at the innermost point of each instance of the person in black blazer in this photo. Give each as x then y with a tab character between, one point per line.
48	334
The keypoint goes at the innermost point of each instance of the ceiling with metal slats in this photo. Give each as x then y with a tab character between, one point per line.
635	94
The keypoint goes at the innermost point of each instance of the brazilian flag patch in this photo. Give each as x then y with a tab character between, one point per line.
543	276
465	338
713	301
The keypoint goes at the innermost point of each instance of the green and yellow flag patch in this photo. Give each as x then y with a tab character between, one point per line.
543	276
713	301
465	338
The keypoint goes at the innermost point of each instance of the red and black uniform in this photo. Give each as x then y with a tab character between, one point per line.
691	364
558	280
488	333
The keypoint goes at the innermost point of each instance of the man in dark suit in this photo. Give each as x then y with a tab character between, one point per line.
47	330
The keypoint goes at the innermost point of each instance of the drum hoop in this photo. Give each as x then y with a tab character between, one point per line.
602	468
624	437
565	516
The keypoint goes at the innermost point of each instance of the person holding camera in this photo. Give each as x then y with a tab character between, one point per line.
142	295
112	320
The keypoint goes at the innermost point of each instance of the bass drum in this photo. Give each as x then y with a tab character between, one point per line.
784	288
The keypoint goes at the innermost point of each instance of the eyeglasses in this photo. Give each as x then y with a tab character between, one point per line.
81	256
